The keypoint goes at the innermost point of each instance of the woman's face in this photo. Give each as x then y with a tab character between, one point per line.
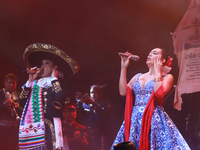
154	54
47	68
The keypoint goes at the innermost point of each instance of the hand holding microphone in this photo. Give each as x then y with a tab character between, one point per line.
33	70
126	57
127	54
33	73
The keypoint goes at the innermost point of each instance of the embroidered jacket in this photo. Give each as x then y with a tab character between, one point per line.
52	96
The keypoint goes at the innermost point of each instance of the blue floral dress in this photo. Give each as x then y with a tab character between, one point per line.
164	135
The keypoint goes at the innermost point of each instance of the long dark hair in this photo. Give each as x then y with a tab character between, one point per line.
164	55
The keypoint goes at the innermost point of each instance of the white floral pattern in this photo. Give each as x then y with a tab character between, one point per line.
164	135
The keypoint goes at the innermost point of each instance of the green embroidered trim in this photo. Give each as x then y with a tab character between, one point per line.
36	105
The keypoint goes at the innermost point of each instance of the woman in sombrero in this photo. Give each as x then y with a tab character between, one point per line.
40	126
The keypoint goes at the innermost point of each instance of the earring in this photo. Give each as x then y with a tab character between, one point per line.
61	75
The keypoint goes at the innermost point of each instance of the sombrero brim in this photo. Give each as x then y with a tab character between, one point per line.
35	53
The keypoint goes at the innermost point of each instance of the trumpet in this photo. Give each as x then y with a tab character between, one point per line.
12	107
15	112
84	98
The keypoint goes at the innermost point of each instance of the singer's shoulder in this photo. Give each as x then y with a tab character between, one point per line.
138	75
131	82
168	76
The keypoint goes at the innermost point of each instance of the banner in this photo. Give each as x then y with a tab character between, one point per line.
186	41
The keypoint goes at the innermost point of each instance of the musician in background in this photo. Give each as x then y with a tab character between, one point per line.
9	123
96	109
74	134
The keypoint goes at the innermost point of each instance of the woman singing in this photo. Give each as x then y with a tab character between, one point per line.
146	124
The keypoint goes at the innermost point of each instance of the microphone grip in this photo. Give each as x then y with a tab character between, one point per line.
34	71
134	57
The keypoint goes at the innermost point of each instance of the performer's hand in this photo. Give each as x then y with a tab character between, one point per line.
16	105
33	76
77	135
86	98
125	60
9	102
158	65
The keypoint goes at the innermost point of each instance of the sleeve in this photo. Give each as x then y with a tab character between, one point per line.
58	90
25	93
57	99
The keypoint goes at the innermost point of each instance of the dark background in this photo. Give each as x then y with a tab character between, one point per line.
90	31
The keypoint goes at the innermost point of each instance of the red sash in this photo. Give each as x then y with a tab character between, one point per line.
146	120
127	113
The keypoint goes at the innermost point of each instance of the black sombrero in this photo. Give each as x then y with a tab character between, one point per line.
35	53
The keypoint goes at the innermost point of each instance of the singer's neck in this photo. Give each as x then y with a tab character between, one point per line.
152	71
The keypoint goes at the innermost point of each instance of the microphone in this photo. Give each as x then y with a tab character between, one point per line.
134	57
33	71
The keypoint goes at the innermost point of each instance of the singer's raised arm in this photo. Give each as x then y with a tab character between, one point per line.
123	79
